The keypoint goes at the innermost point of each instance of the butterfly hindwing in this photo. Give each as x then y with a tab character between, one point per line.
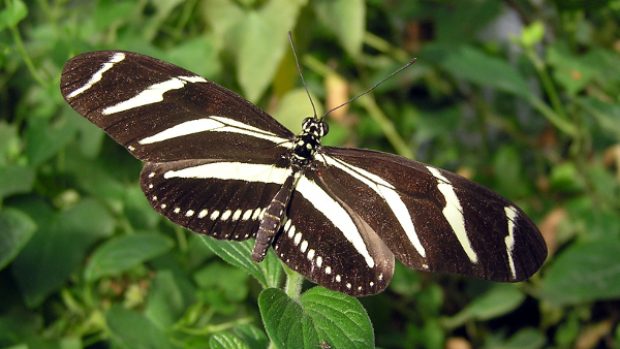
432	219
327	242
221	198
161	112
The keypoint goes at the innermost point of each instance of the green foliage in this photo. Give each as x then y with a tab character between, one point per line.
584	272
17	228
321	316
497	301
521	96
123	253
130	329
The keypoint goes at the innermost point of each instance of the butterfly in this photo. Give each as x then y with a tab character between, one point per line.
220	166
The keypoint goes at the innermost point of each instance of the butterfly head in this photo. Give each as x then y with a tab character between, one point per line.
315	127
309	141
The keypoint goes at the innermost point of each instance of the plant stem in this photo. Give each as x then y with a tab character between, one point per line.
556	115
210	329
317	66
19	44
380	44
401	147
562	124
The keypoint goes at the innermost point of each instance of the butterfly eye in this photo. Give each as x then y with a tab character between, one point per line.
324	128
305	125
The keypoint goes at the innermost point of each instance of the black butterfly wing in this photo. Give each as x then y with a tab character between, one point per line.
223	199
432	219
161	112
325	240
211	156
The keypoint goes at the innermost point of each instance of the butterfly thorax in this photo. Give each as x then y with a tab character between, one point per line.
309	141
306	145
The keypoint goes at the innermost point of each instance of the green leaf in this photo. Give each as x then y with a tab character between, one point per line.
224	17
231	281
509	174
125	252
606	115
321	316
44	139
14	12
202	47
287	325
138	210
15	179
262	44
497	301
456	22
268	272
347	19
565	178
58	247
170	295
111	13
252	336
20	327
9	143
226	341
584	272
90	137
94	178
570	71
161	11
471	64
527	338
131	330
340	320
16	228
533	34
18	346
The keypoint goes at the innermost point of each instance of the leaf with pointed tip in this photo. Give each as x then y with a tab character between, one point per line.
346	19
584	272
62	240
285	321
263	44
15	179
131	330
14	12
226	341
498	300
473	65
125	252
320	316
268	272
17	228
339	319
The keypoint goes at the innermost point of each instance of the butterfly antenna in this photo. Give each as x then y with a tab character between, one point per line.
407	65
301	74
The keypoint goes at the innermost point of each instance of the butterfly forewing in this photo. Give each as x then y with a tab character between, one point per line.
161	112
432	219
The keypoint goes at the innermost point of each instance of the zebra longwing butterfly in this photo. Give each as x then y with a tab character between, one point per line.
220	166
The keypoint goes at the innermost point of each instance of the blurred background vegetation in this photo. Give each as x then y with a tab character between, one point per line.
521	96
